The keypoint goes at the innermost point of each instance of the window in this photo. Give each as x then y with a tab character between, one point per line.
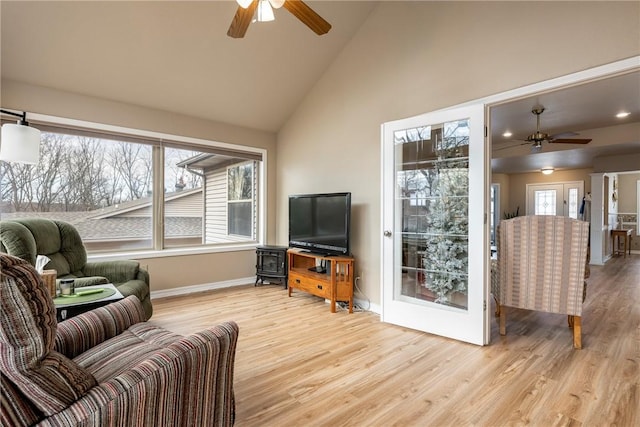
495	211
573	203
240	190
124	192
545	202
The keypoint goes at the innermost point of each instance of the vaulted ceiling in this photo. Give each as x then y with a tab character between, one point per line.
177	57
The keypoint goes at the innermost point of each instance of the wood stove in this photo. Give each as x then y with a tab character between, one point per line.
271	264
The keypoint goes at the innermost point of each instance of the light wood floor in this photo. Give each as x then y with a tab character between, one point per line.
299	365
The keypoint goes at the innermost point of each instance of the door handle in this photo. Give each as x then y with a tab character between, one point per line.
387	233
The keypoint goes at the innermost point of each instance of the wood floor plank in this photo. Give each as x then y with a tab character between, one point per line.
299	365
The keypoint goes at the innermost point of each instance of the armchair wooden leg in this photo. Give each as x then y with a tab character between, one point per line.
503	320
570	321
577	332
497	306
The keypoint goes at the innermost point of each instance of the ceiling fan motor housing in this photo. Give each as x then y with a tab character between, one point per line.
538	137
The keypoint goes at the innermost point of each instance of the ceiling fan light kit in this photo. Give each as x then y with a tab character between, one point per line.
263	11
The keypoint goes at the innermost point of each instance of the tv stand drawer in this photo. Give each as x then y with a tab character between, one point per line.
307	284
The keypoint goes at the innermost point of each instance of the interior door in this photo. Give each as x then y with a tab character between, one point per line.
434	214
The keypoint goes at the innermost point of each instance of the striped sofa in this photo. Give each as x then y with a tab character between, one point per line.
541	266
106	367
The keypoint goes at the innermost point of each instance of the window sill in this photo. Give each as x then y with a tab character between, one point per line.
114	256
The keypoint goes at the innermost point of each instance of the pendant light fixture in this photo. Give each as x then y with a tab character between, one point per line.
264	12
19	142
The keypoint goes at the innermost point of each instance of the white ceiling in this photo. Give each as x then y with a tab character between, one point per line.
176	56
582	109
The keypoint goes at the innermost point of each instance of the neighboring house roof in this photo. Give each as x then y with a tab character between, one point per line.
128	207
112	223
137	227
117	228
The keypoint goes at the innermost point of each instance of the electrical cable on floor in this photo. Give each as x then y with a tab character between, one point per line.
358	290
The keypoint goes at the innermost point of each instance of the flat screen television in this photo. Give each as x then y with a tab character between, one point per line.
320	223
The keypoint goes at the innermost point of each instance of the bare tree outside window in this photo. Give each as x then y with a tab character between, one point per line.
132	170
240	196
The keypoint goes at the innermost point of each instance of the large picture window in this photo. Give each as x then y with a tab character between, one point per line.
124	193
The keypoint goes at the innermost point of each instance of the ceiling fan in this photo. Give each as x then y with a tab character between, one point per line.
539	137
263	12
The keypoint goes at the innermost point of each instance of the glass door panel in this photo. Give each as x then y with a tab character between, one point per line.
433	172
432	193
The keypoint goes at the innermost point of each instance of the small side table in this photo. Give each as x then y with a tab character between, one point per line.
626	235
67	308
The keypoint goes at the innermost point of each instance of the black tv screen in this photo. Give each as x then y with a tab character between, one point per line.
320	223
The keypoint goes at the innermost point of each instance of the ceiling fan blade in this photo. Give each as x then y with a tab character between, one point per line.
308	17
570	141
563	135
501	147
241	20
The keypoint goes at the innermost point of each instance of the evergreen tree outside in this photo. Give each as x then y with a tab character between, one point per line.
445	258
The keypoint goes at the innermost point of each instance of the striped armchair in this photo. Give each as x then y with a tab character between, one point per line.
107	366
542	266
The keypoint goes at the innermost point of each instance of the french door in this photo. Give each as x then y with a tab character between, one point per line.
435	236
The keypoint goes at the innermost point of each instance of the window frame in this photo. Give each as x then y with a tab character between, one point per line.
250	200
47	123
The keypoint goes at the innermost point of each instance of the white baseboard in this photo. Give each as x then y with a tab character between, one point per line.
184	290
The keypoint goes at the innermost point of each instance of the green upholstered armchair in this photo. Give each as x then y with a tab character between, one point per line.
60	241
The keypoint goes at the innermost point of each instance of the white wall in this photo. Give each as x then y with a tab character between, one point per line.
413	57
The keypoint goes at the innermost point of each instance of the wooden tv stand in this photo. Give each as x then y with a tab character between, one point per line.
336	284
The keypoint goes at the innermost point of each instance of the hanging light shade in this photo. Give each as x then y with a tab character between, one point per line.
264	12
19	142
276	4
